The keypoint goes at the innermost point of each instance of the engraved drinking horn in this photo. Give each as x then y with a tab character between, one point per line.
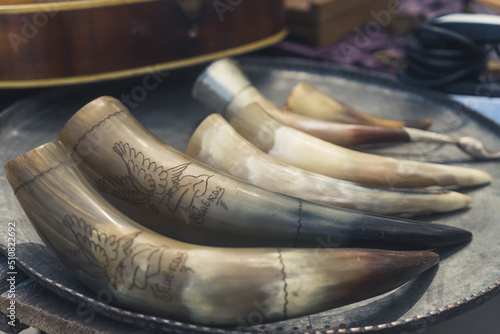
307	100
153	274
216	143
178	196
223	88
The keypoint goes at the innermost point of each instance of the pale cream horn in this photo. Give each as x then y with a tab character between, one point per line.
334	132
223	88
216	143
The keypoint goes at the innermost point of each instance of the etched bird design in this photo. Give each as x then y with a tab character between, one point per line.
184	193
122	261
147	182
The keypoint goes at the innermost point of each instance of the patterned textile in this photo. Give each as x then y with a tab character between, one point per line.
358	48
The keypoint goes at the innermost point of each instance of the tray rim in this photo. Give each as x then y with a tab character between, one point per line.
291	64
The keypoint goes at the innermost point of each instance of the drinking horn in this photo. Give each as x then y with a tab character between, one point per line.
178	196
223	88
306	101
345	135
216	143
153	274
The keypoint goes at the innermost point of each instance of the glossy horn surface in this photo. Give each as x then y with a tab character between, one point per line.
345	135
307	108
216	143
153	274
310	153
178	196
224	88
307	100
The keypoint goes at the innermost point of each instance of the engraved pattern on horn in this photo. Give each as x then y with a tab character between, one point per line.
247	215
156	275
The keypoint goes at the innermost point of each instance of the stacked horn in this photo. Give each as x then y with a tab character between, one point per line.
202	242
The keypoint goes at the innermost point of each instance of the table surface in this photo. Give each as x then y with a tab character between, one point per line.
487	106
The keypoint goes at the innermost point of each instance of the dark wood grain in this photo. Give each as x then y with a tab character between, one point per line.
89	41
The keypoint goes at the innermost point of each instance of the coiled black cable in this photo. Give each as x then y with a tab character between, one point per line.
435	56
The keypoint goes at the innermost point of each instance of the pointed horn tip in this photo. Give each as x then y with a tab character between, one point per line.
429	258
475	177
400	258
481	178
413	262
435	236
456	236
423	256
467	199
453	201
387	270
457	201
383	271
422	124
